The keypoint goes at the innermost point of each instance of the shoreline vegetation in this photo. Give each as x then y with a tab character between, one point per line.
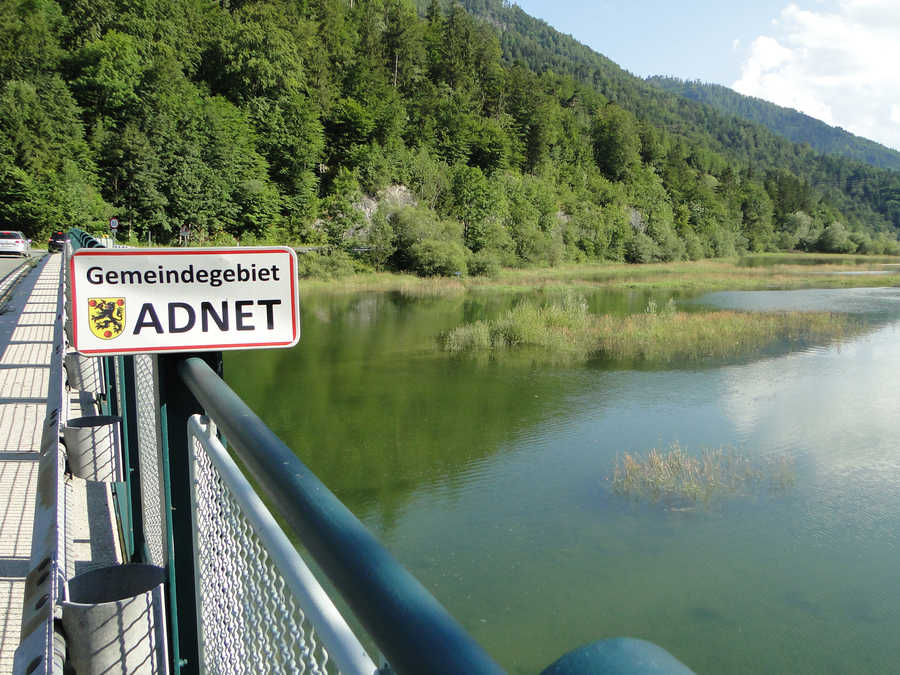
566	330
553	324
777	272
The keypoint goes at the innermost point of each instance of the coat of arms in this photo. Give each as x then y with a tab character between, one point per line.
106	317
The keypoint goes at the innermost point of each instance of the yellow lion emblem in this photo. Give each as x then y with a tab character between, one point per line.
106	317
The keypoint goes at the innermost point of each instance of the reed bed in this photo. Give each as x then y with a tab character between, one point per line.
698	276
406	284
662	338
563	326
680	480
656	336
702	275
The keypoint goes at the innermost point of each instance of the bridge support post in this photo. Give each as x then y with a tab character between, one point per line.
177	404
133	525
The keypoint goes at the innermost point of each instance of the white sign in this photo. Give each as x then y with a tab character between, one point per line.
113	223
127	301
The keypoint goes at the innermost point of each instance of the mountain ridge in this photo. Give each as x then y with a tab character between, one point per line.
794	125
745	142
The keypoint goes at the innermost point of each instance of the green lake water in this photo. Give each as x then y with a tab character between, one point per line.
491	480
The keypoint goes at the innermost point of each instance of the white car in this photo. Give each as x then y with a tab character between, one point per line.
14	242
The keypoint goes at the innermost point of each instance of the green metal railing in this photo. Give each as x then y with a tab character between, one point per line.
415	633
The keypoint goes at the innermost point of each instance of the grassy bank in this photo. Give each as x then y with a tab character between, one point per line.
656	336
780	272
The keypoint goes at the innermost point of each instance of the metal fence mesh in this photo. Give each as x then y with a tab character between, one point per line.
152	489
249	620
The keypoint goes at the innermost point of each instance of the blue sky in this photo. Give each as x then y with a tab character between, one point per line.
836	60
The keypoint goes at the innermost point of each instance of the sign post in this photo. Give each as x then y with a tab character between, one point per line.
113	226
168	302
127	301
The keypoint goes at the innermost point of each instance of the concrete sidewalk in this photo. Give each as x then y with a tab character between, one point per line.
26	335
26	343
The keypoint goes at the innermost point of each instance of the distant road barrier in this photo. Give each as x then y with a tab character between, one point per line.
236	596
9	282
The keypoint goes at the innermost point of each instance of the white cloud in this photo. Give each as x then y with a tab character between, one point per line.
838	66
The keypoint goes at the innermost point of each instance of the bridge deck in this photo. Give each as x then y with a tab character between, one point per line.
26	335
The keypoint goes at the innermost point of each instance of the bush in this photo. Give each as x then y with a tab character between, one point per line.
330	265
434	257
597	232
835	239
880	244
724	243
670	246
530	220
484	263
222	238
412	227
888	244
694	249
641	249
271	236
787	241
340	218
379	242
864	243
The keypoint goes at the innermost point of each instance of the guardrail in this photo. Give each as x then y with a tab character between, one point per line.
237	596
8	283
42	648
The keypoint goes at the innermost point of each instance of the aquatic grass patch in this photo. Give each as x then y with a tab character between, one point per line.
678	479
562	326
666	337
655	336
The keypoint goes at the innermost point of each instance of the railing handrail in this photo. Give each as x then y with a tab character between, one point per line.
414	632
343	647
81	239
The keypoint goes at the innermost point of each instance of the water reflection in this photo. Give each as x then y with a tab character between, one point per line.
867	302
812	259
376	411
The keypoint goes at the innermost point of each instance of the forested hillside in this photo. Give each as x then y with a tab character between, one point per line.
747	144
793	125
485	139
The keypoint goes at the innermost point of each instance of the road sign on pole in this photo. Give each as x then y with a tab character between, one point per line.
113	224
